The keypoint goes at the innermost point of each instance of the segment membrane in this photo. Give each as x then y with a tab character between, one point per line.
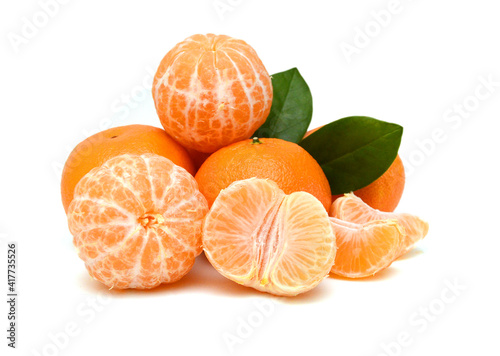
233	228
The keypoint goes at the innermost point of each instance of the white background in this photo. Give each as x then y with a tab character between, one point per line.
88	67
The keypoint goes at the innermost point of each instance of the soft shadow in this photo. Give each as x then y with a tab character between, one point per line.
91	285
213	282
385	274
414	252
203	277
319	293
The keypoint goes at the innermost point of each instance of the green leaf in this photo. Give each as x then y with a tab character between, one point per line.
354	151
291	111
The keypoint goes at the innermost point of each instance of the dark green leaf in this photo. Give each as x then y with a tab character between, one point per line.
291	111
354	151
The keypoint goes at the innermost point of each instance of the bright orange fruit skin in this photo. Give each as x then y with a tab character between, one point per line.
137	221
384	193
283	162
211	91
133	139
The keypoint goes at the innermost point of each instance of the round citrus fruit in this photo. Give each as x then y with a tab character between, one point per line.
352	208
211	91
137	221
259	237
134	139
286	163
386	191
365	249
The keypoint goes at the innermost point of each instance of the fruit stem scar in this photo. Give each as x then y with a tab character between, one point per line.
256	141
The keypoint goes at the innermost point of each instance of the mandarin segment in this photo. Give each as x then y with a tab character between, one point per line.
99	241
225	238
211	91
258	236
365	249
307	247
352	208
136	221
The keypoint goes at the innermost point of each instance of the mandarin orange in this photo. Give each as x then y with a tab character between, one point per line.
286	163
385	192
211	91
134	139
137	221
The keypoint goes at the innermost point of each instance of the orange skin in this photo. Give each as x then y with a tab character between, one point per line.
384	193
286	163
133	139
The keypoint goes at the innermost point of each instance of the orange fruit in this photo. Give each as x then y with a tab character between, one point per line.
210	91
286	163
137	220
351	208
386	191
259	237
311	131
365	249
134	139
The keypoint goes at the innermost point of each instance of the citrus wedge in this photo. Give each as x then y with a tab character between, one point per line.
351	208
365	249
259	237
